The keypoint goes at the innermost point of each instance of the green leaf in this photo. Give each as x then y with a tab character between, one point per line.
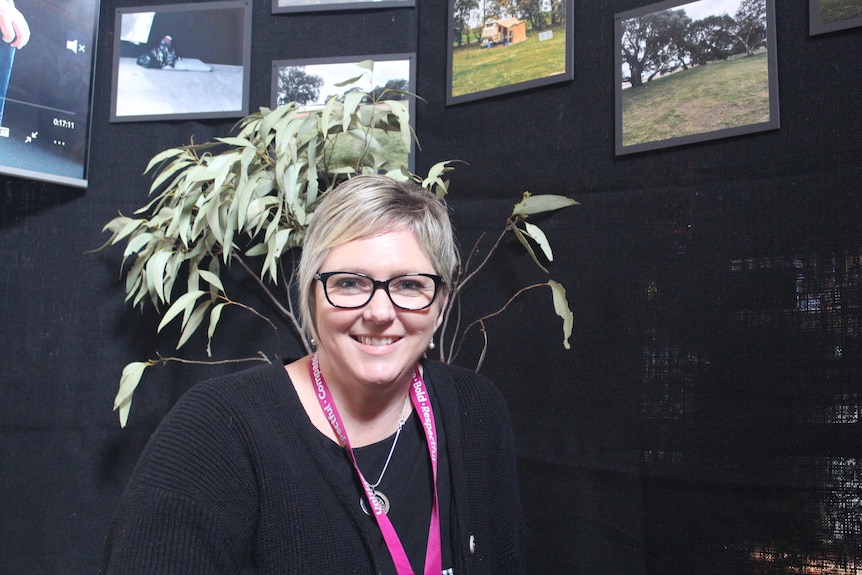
256	250
539	237
561	307
351	102
328	116
193	322
155	269
125	225
136	243
281	238
212	279
523	239
213	218
402	112
275	116
129	381
542	203
434	179
169	171
238	142
349	81
215	316
184	301
162	156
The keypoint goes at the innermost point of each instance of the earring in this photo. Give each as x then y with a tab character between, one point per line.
431	344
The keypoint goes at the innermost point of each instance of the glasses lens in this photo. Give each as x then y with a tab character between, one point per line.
412	292
348	290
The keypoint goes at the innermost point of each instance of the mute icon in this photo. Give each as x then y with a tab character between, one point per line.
73	46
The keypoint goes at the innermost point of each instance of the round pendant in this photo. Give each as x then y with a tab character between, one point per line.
382	501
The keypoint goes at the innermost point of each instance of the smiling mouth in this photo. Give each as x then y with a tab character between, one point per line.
376	341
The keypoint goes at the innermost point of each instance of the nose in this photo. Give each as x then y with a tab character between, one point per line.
380	309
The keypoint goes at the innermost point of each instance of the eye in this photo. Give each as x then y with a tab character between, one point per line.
411	285
348	283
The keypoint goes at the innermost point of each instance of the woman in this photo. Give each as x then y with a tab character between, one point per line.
361	458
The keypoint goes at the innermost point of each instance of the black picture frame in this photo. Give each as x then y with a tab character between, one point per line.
45	123
208	79
288	6
332	70
824	16
506	55
713	108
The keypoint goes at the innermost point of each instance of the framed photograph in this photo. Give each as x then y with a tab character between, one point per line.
831	15
497	49
181	61
694	71
282	6
46	91
311	82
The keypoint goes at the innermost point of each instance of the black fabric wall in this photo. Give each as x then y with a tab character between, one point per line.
706	419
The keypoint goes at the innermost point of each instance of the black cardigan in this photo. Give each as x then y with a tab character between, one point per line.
233	482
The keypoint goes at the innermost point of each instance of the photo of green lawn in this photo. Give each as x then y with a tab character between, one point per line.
716	96
832	15
477	69
835	10
693	72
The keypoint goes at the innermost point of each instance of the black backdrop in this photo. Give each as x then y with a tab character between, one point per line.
706	419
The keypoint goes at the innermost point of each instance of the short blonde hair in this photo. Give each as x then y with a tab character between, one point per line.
366	206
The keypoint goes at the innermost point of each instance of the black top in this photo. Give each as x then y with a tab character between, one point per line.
408	485
235	481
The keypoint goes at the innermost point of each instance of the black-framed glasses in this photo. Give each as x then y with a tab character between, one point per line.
349	290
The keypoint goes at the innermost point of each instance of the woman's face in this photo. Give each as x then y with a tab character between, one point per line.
377	344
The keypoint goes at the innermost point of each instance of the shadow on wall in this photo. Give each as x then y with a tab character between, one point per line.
22	198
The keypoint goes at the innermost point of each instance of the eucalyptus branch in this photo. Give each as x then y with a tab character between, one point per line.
481	321
162	360
259	315
271	296
464	277
294	317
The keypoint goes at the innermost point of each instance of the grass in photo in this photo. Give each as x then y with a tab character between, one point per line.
497	47
719	96
832	11
476	68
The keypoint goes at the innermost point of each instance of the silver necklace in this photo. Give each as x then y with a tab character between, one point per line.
379	495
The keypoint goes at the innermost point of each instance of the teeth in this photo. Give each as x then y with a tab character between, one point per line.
376	340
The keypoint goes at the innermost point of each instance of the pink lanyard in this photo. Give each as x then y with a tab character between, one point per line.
422	404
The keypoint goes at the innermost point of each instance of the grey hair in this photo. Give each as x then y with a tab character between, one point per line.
366	206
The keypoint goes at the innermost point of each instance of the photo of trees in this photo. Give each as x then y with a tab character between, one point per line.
694	71
310	83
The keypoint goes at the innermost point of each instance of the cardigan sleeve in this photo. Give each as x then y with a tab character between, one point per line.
191	505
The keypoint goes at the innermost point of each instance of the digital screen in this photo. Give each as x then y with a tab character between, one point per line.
45	126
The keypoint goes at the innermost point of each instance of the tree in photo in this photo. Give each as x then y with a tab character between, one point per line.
295	85
558	12
711	39
461	19
653	44
531	11
750	28
395	89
